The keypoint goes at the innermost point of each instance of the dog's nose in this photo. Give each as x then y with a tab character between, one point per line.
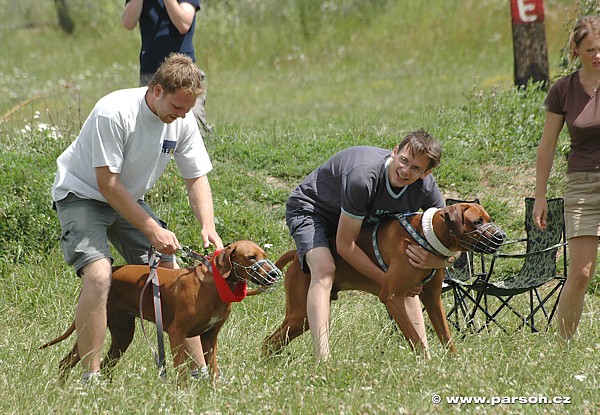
274	276
497	239
500	237
265	273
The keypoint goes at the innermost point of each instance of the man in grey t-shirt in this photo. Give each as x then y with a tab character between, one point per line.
335	199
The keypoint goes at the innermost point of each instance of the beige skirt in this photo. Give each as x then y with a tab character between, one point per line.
582	204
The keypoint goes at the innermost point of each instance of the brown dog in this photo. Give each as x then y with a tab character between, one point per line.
191	305
460	227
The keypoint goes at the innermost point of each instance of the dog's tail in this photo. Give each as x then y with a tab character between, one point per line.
60	338
285	259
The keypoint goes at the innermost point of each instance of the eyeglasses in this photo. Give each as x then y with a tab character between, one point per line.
413	169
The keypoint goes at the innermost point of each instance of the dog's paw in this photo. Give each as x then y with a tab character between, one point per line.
200	374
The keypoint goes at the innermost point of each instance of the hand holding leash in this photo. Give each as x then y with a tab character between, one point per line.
164	241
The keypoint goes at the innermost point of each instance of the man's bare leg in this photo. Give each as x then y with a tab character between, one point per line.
322	270
90	314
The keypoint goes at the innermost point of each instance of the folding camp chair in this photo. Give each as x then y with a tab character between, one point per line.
498	288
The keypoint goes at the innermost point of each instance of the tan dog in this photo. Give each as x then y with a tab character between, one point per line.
460	227
191	305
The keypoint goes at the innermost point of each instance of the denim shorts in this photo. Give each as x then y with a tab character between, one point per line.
88	226
582	204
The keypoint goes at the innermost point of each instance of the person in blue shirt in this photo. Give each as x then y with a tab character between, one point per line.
166	26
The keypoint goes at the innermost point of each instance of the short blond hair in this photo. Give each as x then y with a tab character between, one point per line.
178	71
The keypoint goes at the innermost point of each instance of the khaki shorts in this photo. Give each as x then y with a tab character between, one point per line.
582	204
87	227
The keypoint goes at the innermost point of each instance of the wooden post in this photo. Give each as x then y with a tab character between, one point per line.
64	17
529	41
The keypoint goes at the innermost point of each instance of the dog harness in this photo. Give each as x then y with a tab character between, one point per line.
431	243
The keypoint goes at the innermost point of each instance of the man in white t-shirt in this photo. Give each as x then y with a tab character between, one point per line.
102	177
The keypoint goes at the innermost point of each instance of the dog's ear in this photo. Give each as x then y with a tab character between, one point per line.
223	261
454	218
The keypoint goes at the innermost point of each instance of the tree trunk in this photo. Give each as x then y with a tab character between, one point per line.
64	18
530	53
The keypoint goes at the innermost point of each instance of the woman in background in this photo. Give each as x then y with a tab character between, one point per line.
575	100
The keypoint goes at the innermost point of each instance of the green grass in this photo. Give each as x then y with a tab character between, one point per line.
290	83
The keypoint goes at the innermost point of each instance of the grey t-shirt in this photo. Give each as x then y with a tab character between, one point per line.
355	181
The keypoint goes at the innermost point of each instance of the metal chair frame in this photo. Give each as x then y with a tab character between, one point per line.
474	288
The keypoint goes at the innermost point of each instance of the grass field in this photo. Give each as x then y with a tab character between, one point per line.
290	83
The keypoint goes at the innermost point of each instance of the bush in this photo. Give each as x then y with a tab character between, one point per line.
505	124
27	222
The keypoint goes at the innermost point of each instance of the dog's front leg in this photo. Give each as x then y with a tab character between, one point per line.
432	300
209	345
397	307
179	354
405	310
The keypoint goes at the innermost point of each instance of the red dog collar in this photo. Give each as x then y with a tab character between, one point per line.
225	293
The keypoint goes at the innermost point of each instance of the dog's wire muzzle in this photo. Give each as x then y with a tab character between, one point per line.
263	273
479	240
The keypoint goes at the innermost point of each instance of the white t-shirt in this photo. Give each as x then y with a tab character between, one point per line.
123	134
